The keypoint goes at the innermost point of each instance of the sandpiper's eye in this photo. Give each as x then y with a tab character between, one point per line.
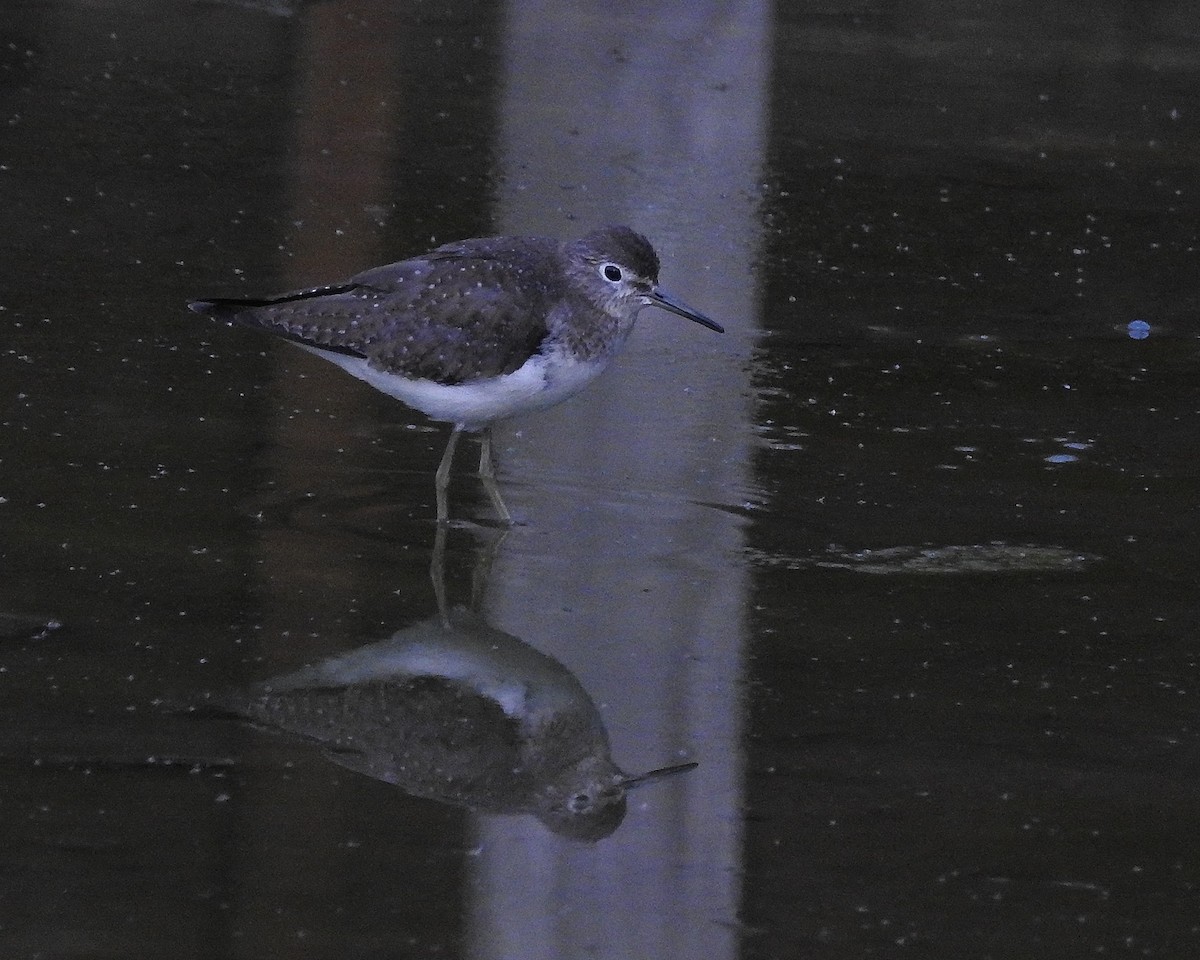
611	272
580	803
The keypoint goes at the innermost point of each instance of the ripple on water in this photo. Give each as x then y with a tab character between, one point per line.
993	557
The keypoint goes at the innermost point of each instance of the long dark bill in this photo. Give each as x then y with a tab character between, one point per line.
661	774
660	298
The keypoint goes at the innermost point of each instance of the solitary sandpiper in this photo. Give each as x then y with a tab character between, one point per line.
477	330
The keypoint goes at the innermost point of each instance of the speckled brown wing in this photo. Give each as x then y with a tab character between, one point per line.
465	311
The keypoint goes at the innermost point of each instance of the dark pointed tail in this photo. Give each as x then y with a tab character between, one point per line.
223	308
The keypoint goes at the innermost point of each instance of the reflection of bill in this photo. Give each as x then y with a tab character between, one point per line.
454	710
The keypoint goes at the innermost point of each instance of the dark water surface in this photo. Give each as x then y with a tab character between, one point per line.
905	561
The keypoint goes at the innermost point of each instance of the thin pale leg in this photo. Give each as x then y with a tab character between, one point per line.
487	474
442	477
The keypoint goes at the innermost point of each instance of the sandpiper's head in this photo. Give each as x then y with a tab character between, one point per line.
587	801
618	269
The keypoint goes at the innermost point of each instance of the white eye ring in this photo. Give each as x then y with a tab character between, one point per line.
611	272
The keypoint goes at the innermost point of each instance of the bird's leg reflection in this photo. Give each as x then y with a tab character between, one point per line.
437	573
487	551
441	479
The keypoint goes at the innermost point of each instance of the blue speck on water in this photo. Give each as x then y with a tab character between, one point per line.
1138	329
1061	458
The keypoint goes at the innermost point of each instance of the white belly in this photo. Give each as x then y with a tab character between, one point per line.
542	382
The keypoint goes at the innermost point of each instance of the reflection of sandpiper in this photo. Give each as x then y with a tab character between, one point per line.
454	710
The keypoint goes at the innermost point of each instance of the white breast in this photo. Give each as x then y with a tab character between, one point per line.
541	382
